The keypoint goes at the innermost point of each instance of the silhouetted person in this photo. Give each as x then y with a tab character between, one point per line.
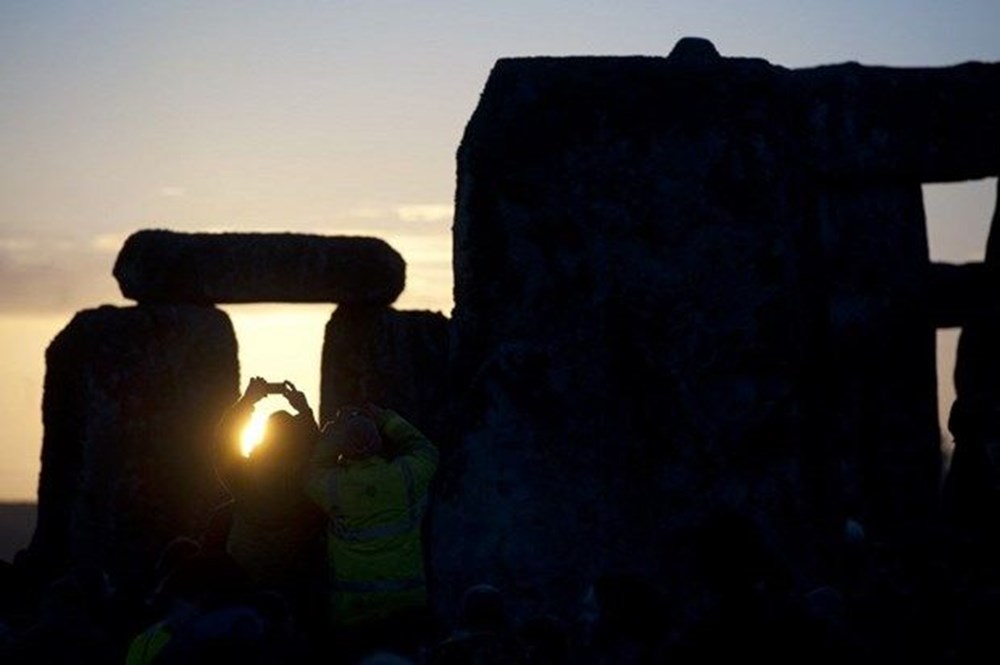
73	623
755	612
483	634
197	585
21	584
626	617
259	630
215	615
545	640
370	474
385	658
174	554
275	533
972	489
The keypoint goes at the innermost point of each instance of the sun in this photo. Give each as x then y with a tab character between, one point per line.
253	433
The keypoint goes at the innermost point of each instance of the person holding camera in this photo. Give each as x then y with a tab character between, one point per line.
271	529
370	474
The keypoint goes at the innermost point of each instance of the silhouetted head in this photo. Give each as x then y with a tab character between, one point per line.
354	433
84	588
482	609
208	578
975	417
546	639
733	554
627	605
287	441
174	554
385	658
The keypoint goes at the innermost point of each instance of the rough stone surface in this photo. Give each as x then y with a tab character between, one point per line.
397	359
204	268
692	285
899	124
874	378
132	398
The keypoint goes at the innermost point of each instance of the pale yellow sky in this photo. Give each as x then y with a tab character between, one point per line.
278	342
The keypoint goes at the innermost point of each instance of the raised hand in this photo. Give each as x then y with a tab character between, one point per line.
296	398
256	390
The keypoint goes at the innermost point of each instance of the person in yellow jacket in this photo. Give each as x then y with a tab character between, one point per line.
370	473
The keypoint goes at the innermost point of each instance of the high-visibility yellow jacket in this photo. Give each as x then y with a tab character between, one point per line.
375	508
148	644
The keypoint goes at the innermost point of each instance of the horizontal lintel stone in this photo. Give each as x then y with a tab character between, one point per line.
206	268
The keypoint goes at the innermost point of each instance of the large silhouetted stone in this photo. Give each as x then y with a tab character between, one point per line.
898	124
203	268
132	397
959	294
871	389
397	359
687	286
972	488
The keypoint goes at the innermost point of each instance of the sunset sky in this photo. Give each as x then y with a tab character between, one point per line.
332	117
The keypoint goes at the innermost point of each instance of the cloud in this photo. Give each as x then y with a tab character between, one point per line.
404	212
370	213
16	245
44	275
109	242
41	274
425	212
427	250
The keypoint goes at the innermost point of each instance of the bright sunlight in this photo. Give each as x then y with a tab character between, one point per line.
253	433
278	343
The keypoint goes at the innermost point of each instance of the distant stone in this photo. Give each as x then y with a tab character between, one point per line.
159	266
693	51
396	359
977	360
132	398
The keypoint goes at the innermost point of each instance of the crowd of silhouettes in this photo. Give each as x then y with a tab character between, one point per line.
316	558
202	606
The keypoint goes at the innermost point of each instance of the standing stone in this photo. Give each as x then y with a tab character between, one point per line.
633	275
688	286
959	293
396	359
132	398
875	377
159	266
972	487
